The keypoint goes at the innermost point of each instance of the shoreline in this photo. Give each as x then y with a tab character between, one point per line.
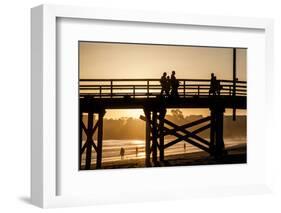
235	155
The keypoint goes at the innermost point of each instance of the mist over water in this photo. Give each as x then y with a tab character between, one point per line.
111	149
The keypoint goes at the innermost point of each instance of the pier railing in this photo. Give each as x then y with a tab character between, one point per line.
151	88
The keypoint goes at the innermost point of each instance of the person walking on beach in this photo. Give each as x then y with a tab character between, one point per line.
174	85
122	153
163	82
137	151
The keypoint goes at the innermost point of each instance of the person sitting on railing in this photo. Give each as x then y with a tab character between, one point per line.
175	85
163	82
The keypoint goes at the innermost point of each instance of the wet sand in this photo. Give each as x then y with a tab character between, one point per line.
235	155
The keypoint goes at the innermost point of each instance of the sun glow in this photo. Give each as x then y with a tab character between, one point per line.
123	113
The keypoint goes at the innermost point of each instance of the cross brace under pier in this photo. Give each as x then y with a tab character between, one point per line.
89	130
157	129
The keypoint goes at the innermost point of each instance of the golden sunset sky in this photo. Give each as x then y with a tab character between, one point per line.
115	60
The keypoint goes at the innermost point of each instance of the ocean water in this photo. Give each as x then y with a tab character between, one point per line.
111	149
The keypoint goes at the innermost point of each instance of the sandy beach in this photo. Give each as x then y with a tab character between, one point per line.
235	155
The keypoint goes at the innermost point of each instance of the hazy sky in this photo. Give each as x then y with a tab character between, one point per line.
113	60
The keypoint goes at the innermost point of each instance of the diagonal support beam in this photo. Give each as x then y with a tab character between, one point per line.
84	127
90	144
187	139
90	131
85	146
191	124
201	129
190	134
89	141
94	145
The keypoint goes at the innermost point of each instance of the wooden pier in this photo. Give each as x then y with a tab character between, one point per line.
98	95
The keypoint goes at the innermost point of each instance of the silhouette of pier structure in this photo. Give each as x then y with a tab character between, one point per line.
98	95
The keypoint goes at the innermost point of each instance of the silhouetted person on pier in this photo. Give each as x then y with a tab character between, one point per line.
174	84
184	147
163	82
168	86
215	86
218	87
122	153
212	84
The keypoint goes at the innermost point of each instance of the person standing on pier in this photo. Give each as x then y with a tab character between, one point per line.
215	87
212	90
218	87
163	82
174	84
168	86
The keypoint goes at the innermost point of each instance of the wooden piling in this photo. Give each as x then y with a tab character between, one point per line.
80	139
216	131
154	136
234	85
212	133
161	134
89	140
219	132
147	137
100	136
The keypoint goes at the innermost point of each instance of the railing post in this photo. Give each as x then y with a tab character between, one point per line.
100	91
184	88
198	90
111	88
147	89
134	91
229	90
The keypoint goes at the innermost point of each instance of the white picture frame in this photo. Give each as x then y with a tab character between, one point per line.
44	154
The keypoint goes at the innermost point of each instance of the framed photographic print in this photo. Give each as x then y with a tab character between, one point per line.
171	121
133	106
